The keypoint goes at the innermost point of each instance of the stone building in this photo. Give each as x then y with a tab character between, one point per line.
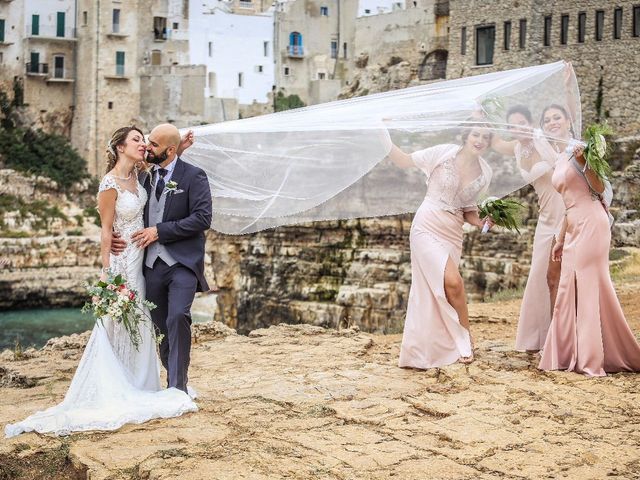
601	39
38	49
358	46
89	67
314	42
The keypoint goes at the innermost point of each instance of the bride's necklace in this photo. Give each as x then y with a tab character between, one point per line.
128	177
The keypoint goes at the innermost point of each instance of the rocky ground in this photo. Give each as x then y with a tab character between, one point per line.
304	402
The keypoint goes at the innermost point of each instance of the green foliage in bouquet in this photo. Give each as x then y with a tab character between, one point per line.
505	213
597	151
112	298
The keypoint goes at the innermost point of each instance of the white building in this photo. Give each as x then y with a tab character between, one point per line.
377	7
236	49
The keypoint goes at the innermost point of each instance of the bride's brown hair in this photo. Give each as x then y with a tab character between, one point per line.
119	137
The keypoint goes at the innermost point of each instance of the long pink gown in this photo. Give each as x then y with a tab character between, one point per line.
535	311
433	335
588	333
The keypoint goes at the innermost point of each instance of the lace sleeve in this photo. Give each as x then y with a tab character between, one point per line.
107	183
427	159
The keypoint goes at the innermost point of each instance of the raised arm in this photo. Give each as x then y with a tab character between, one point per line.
400	158
502	146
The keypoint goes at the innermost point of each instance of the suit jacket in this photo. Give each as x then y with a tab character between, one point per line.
187	216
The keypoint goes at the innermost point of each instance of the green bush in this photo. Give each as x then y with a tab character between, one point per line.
40	153
287	102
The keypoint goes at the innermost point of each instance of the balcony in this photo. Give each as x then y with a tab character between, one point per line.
50	32
295	51
60	75
37	69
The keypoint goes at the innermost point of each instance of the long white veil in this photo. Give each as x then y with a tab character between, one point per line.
330	161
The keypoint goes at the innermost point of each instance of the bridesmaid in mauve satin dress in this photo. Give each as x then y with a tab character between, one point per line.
436	329
588	333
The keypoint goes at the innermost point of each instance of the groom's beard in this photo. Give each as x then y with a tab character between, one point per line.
157	159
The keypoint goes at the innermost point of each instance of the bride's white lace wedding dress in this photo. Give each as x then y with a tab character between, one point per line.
115	383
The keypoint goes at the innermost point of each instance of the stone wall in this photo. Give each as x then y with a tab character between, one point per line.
607	70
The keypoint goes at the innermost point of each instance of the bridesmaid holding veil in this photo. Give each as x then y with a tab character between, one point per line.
436	331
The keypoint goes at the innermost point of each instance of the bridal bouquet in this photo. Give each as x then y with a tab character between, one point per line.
505	213
596	151
112	297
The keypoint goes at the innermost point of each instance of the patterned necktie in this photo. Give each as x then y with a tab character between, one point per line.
160	183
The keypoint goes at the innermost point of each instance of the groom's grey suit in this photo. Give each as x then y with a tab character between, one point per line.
174	264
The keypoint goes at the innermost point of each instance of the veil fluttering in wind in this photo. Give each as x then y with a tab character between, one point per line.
329	161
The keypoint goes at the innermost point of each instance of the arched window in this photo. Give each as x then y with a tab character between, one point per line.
295	39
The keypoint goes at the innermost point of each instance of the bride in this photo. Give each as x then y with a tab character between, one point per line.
115	383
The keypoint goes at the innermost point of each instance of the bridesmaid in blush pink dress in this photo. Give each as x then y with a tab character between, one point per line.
588	333
535	158
436	330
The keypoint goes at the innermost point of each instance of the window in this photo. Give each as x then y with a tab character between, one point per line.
286	71
60	24
156	57
120	64
507	35
35	62
636	21
463	41
159	28
564	29
265	47
211	49
617	23
334	49
599	24
1	58
324	11
240	79
344	50
547	31
522	42
259	69
367	11
110	105
1	30
485	39
85	19
58	66
115	21
175	26
582	26
35	24
321	75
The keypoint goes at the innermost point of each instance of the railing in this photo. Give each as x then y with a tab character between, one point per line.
245	4
50	31
37	68
296	51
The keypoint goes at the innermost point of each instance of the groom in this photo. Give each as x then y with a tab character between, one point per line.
176	217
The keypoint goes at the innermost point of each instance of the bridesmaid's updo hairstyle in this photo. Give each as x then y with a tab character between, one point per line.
119	137
555	106
522	110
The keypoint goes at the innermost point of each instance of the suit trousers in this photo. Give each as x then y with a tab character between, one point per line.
172	289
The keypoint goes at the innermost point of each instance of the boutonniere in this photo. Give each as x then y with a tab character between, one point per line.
172	188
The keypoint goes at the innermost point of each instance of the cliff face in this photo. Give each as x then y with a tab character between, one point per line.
329	274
